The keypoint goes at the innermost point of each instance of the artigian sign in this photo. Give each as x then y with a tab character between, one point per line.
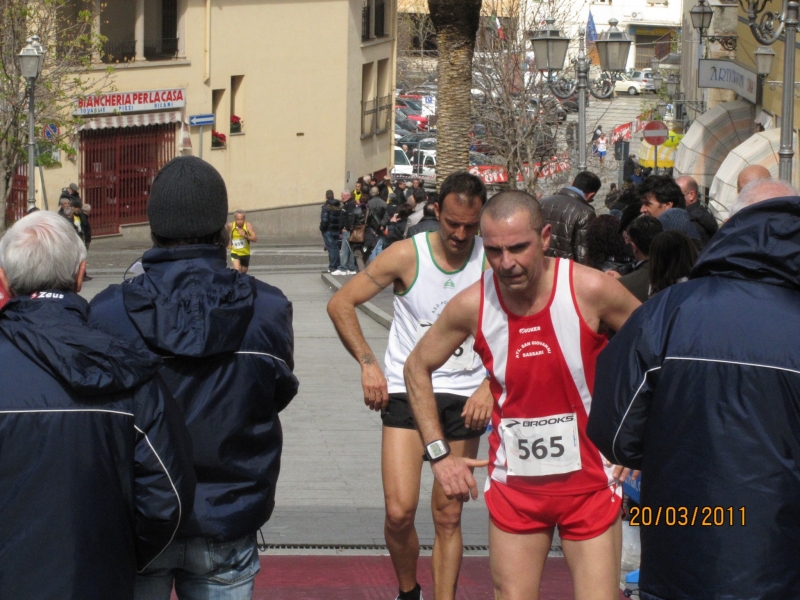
130	102
727	75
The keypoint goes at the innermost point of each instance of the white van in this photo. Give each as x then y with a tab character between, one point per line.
402	168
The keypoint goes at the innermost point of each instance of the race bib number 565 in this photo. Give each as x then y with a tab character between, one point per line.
542	446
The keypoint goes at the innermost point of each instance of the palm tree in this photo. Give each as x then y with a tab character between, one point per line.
456	23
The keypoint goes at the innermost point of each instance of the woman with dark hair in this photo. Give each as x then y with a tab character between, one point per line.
672	256
397	225
606	248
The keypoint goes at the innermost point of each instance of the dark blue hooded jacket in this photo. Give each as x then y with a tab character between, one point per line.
701	391
228	347
95	461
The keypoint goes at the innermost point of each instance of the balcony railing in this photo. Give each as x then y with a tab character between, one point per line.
380	18
369	113
119	52
365	21
160	48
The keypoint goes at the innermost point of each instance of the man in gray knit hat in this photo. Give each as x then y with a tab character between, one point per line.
228	343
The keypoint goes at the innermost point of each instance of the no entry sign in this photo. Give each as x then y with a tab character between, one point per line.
656	133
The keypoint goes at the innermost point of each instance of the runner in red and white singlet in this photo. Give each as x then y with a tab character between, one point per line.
542	371
537	323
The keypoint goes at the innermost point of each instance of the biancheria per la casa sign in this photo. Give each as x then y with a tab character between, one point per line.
130	102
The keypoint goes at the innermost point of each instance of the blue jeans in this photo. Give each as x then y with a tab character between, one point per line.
347	260
201	570
330	238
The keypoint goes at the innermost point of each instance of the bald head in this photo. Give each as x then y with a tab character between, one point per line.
761	190
689	188
750	174
505	205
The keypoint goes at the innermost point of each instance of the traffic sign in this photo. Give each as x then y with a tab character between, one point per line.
201	120
50	131
656	133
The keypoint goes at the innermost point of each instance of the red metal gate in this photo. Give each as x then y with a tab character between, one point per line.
118	166
17	200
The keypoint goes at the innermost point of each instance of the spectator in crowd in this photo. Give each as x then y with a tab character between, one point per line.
638	177
751	173
658	194
386	187
96	463
357	194
767	189
640	234
65	208
230	345
628	167
703	380
672	256
377	220
330	225
81	222
612	196
702	219
347	257
429	221
416	184
397	224
570	213
628	196
420	199
400	190
605	246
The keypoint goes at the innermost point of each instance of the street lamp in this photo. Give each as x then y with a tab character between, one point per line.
658	81
550	51
672	86
661	107
31	59
767	29
764	55
701	16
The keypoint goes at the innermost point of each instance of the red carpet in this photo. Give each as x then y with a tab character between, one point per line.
372	578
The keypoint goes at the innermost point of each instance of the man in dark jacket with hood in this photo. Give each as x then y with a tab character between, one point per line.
95	461
701	391
228	344
570	213
330	225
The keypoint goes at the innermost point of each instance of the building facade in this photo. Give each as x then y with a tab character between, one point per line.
301	93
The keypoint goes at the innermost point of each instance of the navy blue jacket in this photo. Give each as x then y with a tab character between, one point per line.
95	461
701	391
228	348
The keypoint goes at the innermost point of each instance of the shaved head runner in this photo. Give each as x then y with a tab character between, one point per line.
538	325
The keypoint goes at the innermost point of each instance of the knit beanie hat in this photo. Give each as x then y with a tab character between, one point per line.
677	219
188	199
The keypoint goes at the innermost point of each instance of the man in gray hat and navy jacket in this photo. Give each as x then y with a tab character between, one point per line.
227	343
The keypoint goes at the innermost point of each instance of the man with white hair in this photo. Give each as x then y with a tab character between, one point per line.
95	468
759	190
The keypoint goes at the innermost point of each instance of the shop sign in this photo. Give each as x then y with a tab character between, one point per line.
727	75
130	102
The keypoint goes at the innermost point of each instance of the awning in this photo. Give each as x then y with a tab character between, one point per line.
666	156
138	120
766	120
760	149
711	137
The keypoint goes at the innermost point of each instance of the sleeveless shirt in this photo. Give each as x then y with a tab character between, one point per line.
240	245
419	306
541	375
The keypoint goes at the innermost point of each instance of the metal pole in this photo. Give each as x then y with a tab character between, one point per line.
32	146
786	151
582	71
41	179
201	141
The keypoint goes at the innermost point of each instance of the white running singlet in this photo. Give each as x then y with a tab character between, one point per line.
541	375
419	306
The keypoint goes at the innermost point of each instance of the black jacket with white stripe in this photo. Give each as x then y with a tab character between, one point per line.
701	391
95	461
228	346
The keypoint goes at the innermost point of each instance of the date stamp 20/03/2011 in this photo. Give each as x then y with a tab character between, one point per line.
687	516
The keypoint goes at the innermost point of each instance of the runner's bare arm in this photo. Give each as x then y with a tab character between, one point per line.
229	229
458	320
251	233
395	264
602	299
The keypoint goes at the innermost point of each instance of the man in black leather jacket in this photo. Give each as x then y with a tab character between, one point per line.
570	213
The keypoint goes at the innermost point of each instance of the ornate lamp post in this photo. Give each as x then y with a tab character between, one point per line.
550	51
31	59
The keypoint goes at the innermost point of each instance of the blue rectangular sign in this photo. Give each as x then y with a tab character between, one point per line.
195	120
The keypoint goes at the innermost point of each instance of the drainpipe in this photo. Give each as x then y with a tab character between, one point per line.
208	42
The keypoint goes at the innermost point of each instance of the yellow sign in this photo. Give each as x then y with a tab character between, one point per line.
673	140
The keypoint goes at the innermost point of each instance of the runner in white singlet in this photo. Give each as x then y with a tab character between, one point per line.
427	272
538	325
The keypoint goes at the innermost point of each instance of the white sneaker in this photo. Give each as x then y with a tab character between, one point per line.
351	273
339	272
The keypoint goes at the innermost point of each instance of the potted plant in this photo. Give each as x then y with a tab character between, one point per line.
236	124
217	139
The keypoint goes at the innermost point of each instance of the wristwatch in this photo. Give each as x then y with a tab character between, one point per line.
436	450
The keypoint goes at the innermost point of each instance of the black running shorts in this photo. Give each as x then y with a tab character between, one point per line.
398	414
243	260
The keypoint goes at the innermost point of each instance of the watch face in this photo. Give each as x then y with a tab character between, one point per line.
436	450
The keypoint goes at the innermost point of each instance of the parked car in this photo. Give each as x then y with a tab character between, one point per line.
626	85
409	103
423	141
413	115
402	168
400	120
546	107
644	76
571	104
